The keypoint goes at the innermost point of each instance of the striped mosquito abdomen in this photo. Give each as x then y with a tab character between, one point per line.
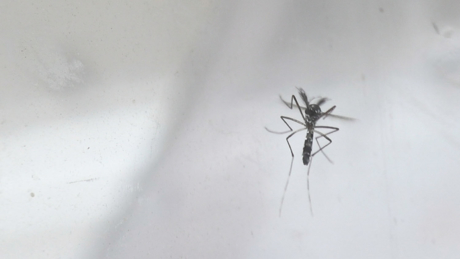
307	148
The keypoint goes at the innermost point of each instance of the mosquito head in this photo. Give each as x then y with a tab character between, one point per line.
313	112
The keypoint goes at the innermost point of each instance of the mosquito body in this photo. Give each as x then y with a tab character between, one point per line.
311	113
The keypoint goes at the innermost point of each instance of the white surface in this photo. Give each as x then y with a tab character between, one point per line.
136	129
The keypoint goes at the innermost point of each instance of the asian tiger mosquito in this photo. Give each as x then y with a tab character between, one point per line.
311	113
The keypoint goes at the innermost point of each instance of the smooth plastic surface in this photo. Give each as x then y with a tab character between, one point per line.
135	129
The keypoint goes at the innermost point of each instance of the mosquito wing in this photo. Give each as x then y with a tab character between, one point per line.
304	96
340	117
329	115
320	102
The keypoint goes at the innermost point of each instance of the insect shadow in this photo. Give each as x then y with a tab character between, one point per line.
311	113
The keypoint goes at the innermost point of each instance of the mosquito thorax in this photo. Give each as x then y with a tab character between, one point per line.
313	111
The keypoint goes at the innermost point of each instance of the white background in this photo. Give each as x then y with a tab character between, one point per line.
135	129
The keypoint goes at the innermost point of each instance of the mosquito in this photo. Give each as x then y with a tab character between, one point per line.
311	113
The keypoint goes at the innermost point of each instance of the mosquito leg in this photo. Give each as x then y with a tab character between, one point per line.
285	187
290	135
325	114
276	132
291	105
311	159
328	127
326	137
287	103
308	187
284	118
333	129
322	147
290	168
